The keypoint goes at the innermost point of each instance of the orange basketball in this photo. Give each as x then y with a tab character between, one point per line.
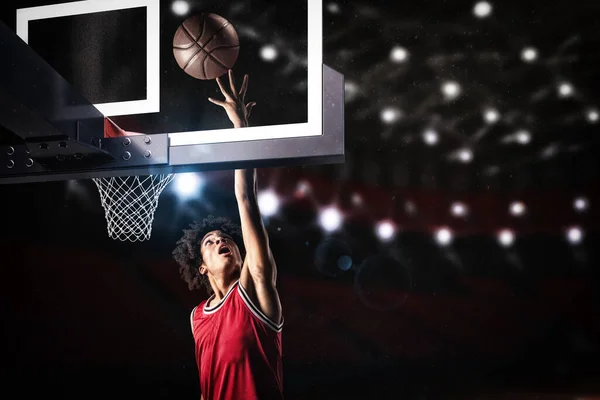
206	46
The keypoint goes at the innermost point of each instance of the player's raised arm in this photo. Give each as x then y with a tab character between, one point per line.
259	259
259	272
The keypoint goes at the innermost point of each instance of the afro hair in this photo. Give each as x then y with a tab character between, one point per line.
187	250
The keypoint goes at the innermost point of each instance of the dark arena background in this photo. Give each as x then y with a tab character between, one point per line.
452	256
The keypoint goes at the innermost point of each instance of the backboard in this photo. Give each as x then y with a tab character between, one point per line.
92	89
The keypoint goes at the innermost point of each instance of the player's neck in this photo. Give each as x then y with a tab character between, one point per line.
221	286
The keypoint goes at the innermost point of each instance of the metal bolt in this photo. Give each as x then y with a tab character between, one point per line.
147	154
10	164
43	146
60	158
126	142
10	151
126	156
29	163
62	144
78	156
147	139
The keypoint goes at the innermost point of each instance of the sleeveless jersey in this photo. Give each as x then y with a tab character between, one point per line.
238	349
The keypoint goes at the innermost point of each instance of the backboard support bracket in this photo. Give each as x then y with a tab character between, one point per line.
63	134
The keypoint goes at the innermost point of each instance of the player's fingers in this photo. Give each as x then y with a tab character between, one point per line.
217	102
227	96
244	88
232	83
249	107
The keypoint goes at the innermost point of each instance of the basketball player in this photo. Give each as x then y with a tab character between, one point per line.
237	331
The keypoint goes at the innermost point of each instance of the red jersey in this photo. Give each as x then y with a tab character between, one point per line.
238	349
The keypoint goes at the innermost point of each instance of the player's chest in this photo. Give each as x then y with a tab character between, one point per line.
226	335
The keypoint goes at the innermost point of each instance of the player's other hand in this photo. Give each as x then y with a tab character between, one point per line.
235	103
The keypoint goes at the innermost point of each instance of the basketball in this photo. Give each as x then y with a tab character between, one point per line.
206	46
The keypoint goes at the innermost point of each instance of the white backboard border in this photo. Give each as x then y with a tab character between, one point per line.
313	126
152	102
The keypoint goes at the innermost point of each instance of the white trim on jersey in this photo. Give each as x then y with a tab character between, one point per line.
257	312
192	318
210	310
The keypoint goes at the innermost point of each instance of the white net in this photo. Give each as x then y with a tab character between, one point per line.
129	204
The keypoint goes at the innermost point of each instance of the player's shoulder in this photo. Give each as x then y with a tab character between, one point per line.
194	314
196	307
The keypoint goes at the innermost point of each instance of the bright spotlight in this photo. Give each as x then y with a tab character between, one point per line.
451	90
523	137
430	137
459	209
398	54
506	237
592	115
443	236
180	7
330	219
465	155
268	203
268	53
385	230
580	204
482	9
390	115
565	89
491	116
574	235
187	184
529	54
517	208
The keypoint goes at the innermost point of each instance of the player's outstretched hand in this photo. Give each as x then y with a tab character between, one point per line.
234	103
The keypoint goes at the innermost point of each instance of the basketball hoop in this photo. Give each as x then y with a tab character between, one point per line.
129	204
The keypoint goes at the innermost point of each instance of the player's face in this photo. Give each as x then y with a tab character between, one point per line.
219	252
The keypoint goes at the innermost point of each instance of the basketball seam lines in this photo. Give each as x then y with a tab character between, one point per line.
184	47
202	49
195	40
194	57
204	64
190	36
225	46
215	59
209	55
219	48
